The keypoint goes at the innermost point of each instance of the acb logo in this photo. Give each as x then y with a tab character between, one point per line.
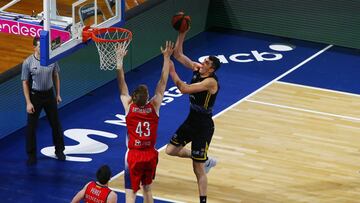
255	55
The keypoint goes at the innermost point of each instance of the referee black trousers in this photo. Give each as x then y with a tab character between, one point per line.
47	101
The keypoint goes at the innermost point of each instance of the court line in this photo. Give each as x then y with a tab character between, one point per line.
256	91
276	79
319	88
304	110
157	198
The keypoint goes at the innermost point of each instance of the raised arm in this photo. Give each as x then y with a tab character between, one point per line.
160	88
124	91
179	54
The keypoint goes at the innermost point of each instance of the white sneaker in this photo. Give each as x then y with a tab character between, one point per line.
211	162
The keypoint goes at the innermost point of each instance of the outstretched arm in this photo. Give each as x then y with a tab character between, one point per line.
124	91
179	54
160	88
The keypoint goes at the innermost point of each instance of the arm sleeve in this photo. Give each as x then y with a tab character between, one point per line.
25	70
56	67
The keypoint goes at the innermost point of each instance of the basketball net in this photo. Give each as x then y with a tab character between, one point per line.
107	41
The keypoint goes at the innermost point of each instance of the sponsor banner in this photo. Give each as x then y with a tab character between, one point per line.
31	30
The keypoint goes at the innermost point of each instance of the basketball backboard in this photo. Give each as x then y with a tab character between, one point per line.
63	24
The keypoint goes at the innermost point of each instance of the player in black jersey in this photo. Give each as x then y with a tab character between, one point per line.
198	127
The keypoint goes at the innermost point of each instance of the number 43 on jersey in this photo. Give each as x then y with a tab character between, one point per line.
143	129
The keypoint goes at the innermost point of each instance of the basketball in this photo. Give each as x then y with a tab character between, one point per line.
181	22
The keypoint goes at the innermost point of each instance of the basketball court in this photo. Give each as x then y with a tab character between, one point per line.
287	121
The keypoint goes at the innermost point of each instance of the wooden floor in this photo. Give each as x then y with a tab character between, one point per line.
15	48
287	143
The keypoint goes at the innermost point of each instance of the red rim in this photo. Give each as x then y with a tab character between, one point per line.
93	32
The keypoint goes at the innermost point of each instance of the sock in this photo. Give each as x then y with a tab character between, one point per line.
202	199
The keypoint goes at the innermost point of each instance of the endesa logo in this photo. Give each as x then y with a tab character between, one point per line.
18	28
255	55
32	30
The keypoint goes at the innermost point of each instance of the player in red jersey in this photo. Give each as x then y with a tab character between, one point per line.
142	117
95	192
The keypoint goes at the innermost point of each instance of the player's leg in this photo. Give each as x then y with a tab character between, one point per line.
199	149
199	156
147	194
32	121
149	176
179	151
130	196
50	107
132	180
181	137
208	133
201	177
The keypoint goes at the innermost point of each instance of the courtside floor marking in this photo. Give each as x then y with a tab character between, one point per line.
305	110
276	79
318	88
155	198
241	100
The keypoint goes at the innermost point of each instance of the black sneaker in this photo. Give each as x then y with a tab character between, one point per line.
61	156
31	161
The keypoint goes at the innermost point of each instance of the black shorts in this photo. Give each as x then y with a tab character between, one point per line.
198	129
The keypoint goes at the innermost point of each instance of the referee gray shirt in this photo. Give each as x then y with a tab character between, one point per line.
42	79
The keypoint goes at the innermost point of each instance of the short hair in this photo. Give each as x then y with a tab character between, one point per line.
140	95
215	62
36	40
103	174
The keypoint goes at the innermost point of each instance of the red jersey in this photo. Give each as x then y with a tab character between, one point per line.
142	124
96	193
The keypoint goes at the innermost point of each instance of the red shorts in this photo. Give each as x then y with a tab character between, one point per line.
140	167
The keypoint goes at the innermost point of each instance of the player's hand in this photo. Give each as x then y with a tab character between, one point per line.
197	66
120	53
58	99
30	108
188	29
185	32
169	49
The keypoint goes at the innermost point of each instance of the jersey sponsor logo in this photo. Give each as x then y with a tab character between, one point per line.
255	55
141	110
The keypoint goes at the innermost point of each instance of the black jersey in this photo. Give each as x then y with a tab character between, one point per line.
203	101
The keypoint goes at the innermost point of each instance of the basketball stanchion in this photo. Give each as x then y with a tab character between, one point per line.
107	40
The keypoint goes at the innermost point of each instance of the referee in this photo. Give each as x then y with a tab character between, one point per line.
38	82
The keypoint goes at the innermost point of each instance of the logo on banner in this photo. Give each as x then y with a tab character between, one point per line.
255	55
30	30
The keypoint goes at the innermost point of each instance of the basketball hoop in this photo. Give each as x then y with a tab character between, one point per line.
107	41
